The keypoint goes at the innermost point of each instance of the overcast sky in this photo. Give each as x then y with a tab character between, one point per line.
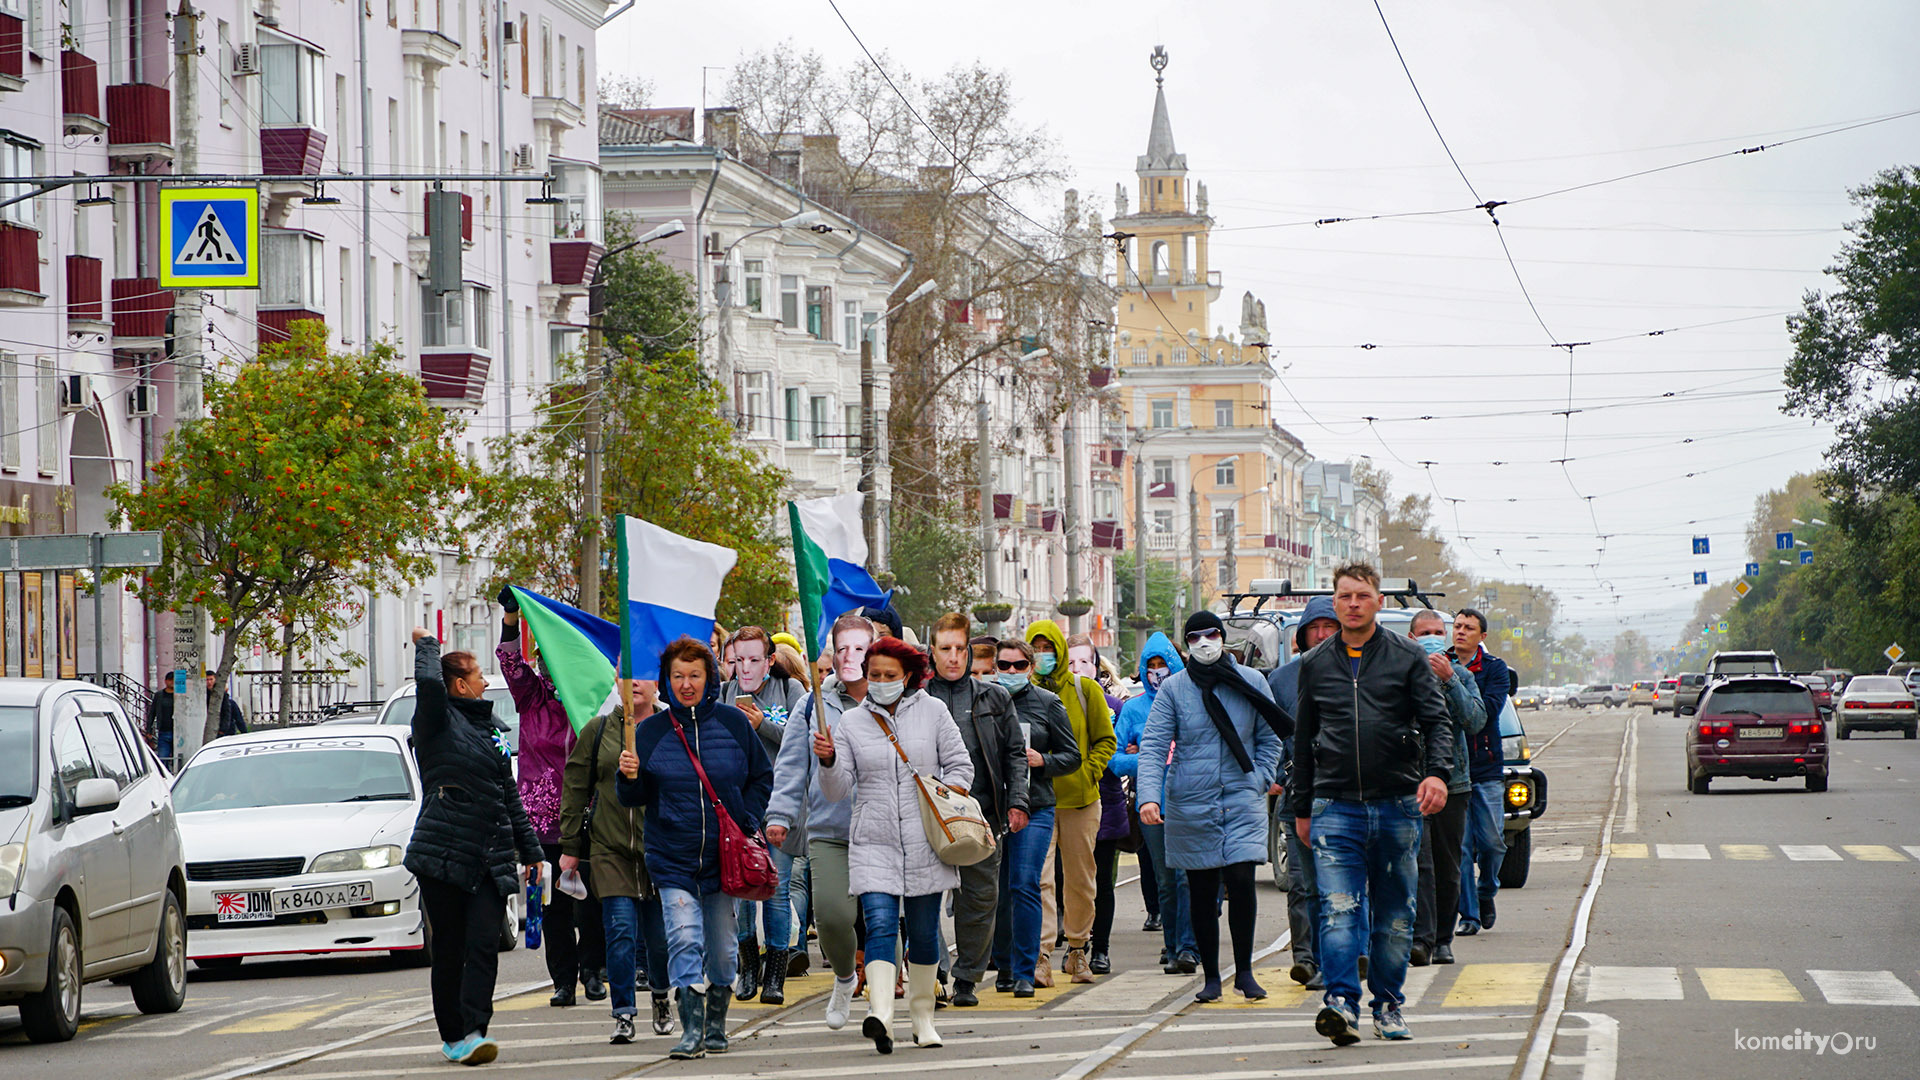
1299	110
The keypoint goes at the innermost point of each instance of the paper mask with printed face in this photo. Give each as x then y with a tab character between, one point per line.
1080	661
850	654
750	663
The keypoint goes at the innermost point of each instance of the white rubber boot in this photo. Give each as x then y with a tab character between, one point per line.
920	1003
878	1025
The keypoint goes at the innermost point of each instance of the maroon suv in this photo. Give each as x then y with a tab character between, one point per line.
1759	726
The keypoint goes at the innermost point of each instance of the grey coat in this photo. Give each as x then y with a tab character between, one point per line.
778	698
798	805
887	848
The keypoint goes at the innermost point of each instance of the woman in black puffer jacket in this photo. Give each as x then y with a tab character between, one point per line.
467	846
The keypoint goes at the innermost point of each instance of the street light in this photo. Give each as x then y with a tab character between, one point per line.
658	232
920	292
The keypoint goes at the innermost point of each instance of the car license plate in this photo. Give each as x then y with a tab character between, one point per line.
317	897
241	907
1762	732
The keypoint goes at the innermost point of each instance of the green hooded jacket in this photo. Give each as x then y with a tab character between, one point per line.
1087	712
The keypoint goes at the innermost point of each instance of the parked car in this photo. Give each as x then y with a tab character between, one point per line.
1641	693
1762	727
1611	695
1530	697
399	710
92	882
1664	693
294	841
1876	703
1687	694
1755	662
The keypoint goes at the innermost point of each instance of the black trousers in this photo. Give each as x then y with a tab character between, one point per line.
1106	854
574	939
1203	903
1149	884
466	954
1440	839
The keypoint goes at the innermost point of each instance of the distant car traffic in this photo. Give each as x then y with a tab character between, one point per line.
1641	693
1754	662
1821	689
1611	695
294	841
1687	694
1530	697
1664	694
1876	703
1757	726
92	884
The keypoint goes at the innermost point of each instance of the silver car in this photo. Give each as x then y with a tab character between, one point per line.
92	883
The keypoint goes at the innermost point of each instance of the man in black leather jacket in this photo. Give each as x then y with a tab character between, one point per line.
1373	750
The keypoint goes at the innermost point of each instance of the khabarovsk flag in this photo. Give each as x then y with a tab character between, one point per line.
830	563
579	650
669	587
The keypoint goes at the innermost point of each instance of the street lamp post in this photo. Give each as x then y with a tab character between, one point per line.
989	545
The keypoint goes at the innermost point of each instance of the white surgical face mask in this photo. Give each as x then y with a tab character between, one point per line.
886	693
1207	650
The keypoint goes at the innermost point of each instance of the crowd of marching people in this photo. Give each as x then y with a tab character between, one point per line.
936	814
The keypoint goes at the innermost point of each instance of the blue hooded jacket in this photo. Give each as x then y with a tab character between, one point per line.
1133	714
1285	679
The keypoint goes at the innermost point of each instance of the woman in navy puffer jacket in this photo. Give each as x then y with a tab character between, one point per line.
682	836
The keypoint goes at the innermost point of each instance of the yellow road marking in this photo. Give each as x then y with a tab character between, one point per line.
1747	984
1498	984
1873	853
1282	992
284	1020
1746	852
1629	851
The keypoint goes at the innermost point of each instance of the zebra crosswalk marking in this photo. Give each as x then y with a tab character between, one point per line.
1497	984
1863	988
1746	852
1681	851
1810	853
1747	984
1634	984
1629	851
1873	853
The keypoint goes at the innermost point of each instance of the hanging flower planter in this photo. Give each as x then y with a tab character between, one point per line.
1138	621
992	613
1074	608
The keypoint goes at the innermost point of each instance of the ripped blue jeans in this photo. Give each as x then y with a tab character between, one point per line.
1366	855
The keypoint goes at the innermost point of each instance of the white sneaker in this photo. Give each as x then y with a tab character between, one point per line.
840	1002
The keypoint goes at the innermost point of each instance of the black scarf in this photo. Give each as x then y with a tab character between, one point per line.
1225	673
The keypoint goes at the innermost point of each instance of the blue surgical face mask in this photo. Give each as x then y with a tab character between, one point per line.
1435	644
886	693
1045	663
1156	676
1014	681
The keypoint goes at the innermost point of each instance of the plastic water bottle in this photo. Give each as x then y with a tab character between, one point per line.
534	890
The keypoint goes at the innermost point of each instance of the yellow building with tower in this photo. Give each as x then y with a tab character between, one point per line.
1222	485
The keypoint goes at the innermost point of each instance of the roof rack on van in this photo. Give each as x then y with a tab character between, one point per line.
1261	590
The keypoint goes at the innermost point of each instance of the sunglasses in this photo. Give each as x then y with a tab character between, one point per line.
1013	665
1203	635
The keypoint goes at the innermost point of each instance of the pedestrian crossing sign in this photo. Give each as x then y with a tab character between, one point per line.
210	238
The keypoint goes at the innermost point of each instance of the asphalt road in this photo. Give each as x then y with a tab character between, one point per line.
1747	913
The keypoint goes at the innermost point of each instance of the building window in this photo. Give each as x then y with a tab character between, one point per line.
17	158
1162	471
1223	474
1140	356
1160	268
580	73
456	320
1106	502
1162	412
546	59
487	30
790	301
10	376
1224	574
850	324
792	414
47	423
755	404
820	312
561	58
291	270
822	410
1223	522
1163	523
290	82
854	442
577	185
1179	356
1223	413
756	285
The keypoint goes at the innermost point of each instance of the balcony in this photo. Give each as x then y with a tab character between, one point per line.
13	53
1109	534
1166	279
1161	491
84	306
1003	507
1162	541
456	379
139	122
466	217
19	265
140	308
572	262
292	151
80	95
276	324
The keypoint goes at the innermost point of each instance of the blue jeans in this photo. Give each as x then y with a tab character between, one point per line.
632	925
777	913
1016	930
1176	923
1484	848
701	949
1366	855
883	927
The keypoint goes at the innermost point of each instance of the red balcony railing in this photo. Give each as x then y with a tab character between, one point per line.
1109	534
13	46
276	324
138	114
466	219
83	289
140	307
572	262
19	258
291	151
79	85
455	377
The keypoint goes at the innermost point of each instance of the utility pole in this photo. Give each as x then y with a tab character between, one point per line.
189	320
591	513
1069	457
869	453
366	300
1193	540
1139	546
989	560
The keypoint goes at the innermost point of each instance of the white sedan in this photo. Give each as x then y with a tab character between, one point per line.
1875	703
294	840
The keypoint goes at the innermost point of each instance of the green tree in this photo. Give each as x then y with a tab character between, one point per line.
649	304
314	474
936	566
1163	587
668	458
1630	655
